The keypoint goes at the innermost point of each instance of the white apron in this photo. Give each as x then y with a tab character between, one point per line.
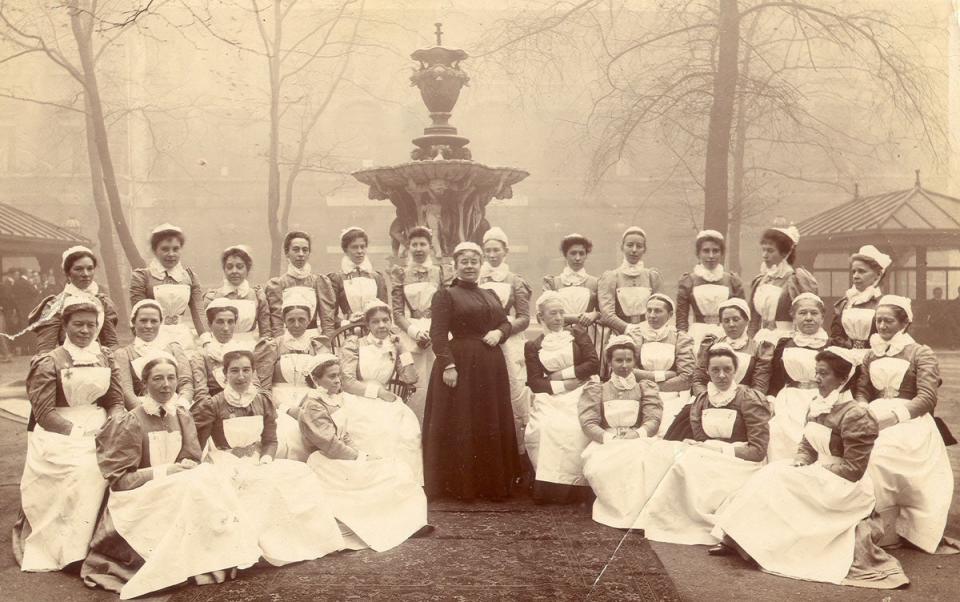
183	525
791	403
243	436
175	300
359	291
708	298
683	508
61	489
575	299
624	473
857	323
765	300
246	329
516	366
633	302
743	364
909	465
419	296
800	522
655	355
294	368
386	429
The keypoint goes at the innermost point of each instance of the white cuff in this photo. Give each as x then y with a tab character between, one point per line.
557	387
659	375
160	471
568	373
406	358
903	414
76	431
372	391
608	437
642	433
413	331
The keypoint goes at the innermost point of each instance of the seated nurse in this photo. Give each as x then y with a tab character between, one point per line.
623	462
380	421
809	518
729	423
379	500
162	502
72	390
209	377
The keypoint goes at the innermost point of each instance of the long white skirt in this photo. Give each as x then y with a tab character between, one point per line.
289	440
786	425
183	525
798	522
683	508
554	440
910	470
385	429
379	500
624	473
61	491
423	362
520	394
672	404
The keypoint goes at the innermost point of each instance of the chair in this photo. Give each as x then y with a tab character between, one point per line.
340	335
600	334
399	388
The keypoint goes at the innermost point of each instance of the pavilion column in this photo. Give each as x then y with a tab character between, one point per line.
921	273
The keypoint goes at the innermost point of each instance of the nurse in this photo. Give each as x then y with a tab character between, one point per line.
623	292
699	294
559	363
412	294
253	312
810	518
753	367
729	423
623	461
853	314
577	288
379	500
909	465
168	518
175	287
793	382
208	375
357	283
301	279
145	319
72	390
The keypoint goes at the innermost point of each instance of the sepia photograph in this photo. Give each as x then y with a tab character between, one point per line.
511	300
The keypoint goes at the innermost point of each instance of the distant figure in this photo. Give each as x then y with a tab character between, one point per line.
937	322
25	297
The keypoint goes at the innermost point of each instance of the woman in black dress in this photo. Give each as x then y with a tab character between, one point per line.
469	444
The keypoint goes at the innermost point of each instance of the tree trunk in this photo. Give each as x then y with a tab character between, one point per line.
108	257
715	212
273	176
81	23
739	152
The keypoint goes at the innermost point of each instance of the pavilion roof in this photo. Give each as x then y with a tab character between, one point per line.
18	226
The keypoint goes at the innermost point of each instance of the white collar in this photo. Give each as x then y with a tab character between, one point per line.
72	291
894	346
177	272
383	344
85	356
855	297
152	406
215	349
299	273
348	267
631	269
145	348
553	340
781	270
331	399
497	274
654	335
624	384
573	277
300	343
718	398
812	341
824	405
241	291
427	263
714	275
737	344
237	399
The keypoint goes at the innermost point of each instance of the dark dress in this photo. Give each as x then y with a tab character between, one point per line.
469	443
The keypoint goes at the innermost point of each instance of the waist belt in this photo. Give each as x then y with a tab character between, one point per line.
860	344
889	393
171	320
418	314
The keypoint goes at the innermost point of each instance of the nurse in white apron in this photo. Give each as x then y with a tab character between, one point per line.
380	421
623	292
356	283
168	519
145	319
378	499
175	287
208	374
253	312
559	363
909	465
665	356
305	283
809	518
282	499
754	361
700	293
623	462
514	294
73	390
729	424
412	294
853	313
793	382
778	284
577	288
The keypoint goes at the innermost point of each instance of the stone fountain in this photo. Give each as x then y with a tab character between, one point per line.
442	187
